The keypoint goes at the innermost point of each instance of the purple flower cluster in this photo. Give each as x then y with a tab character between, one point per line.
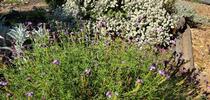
56	62
109	94
139	81
164	73
161	72
3	83
9	94
152	67
87	72
29	94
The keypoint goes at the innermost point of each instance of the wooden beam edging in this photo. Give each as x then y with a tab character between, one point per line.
184	46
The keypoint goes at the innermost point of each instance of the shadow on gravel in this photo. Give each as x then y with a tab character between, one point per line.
37	15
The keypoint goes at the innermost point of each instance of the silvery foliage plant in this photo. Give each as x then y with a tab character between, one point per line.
19	35
145	21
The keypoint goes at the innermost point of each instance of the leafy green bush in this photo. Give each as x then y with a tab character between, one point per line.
104	70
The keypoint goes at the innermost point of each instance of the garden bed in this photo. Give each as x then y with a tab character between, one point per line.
82	54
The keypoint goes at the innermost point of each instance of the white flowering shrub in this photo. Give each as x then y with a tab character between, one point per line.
145	21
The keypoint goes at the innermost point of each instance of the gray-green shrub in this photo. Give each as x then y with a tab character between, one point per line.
184	9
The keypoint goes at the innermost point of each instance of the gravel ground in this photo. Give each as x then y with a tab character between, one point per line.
4	8
201	43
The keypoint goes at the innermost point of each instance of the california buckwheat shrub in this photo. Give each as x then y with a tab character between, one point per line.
150	20
145	21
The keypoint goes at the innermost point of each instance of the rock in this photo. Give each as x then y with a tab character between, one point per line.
181	24
184	45
205	1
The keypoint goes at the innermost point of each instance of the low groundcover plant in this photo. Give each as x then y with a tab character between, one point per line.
104	70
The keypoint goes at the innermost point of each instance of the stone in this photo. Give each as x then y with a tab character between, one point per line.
184	45
205	1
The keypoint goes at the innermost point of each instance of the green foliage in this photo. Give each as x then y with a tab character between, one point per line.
75	70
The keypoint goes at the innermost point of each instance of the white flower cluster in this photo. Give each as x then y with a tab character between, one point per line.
146	21
149	20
